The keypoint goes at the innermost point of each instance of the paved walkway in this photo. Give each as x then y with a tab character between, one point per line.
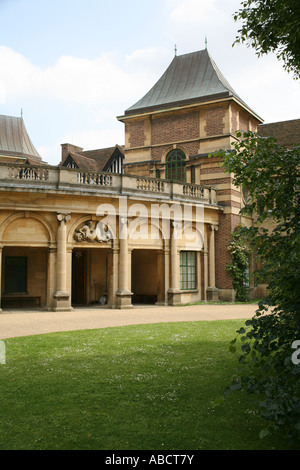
15	323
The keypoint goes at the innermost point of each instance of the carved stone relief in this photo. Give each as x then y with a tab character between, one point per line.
93	232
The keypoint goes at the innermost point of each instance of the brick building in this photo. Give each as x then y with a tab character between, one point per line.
190	112
86	230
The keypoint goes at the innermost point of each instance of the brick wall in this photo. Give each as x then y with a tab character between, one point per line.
234	119
175	128
158	152
214	118
227	224
227	221
244	123
136	133
287	133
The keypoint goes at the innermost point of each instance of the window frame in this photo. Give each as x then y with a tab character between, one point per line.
175	166
188	270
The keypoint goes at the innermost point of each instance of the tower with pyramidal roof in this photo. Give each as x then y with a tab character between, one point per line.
189	113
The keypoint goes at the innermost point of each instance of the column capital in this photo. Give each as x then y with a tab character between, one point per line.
214	227
63	217
124	220
176	224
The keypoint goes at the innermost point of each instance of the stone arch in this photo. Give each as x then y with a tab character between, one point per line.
31	224
84	220
193	238
154	231
175	147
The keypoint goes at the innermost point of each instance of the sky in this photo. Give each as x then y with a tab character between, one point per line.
70	67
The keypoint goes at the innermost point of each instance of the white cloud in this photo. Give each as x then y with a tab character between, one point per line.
193	11
2	92
80	95
70	79
268	89
147	63
88	140
261	82
18	75
91	82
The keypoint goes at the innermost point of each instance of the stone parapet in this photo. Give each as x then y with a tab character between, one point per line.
50	178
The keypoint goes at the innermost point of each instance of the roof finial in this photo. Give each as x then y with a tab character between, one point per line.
22	113
205	42
175	50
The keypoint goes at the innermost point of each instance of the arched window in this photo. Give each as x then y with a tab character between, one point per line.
175	165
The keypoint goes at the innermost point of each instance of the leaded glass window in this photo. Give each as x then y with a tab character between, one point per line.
175	165
188	272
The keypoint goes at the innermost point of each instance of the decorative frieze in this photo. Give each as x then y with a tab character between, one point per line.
93	232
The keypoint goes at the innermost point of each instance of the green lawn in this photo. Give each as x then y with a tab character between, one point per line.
139	387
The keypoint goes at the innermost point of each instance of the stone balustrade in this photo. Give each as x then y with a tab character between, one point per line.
149	184
90	178
26	172
79	181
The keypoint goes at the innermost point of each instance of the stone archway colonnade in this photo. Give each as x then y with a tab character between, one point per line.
73	234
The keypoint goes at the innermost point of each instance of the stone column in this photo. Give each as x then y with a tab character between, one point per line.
212	291
167	272
199	274
51	277
160	278
124	295
62	298
205	273
1	251
174	295
113	259
129	287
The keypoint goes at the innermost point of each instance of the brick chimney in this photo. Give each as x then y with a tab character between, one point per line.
67	148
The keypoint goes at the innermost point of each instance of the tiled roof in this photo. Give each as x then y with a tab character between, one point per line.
94	160
287	133
83	162
100	156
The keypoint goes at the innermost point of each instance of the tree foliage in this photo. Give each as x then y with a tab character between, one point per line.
271	174
239	267
272	26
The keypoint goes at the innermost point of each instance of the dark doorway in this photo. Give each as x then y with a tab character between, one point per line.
15	280
147	277
79	277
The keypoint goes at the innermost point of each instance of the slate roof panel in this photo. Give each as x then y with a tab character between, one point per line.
14	139
189	78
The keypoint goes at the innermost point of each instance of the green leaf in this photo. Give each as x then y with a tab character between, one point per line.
264	433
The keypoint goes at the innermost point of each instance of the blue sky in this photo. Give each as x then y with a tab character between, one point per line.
74	65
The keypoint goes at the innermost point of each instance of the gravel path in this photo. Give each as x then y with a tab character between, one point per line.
15	323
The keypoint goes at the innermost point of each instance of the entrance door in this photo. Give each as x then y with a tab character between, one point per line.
79	277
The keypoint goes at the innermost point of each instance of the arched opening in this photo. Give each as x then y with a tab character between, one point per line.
25	275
